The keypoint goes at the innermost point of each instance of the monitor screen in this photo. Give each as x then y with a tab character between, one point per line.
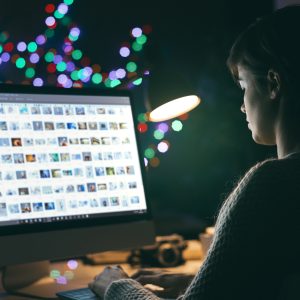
70	169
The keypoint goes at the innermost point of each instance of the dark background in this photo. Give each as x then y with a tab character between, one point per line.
189	38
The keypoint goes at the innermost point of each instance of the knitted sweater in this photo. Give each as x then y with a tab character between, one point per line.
256	246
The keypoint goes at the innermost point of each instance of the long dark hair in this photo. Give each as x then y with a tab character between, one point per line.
271	42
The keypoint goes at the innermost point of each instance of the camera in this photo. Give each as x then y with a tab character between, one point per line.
166	252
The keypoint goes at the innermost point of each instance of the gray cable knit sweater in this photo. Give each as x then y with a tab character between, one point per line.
256	247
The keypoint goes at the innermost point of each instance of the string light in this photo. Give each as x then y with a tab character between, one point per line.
68	67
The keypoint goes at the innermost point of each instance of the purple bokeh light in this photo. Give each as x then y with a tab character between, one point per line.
38	82
34	58
121	73
5	57
63	8
50	21
124	51
40	39
22	46
136	32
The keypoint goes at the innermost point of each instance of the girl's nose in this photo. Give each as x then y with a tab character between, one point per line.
243	108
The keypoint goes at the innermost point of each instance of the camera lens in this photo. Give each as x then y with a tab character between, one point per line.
168	255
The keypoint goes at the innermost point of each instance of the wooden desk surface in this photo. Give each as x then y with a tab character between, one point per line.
83	274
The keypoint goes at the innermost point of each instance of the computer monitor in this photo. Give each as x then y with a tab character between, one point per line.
71	174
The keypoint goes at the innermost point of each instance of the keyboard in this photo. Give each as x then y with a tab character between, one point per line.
78	294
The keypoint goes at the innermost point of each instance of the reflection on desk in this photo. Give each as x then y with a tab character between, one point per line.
67	275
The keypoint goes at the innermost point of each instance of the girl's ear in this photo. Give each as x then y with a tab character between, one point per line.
274	84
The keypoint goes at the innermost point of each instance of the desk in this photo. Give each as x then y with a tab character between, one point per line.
83	274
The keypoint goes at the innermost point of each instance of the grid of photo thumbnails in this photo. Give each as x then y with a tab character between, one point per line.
67	159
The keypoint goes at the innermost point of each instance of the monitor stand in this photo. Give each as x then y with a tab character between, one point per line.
17	277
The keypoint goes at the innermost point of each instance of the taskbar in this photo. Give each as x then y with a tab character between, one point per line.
72	217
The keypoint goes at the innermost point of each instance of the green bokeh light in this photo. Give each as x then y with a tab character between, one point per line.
138	81
131	66
1	49
29	73
96	78
142	118
149	153
31	47
3	37
111	83
54	274
177	125
20	63
49	57
76	54
136	46
68	2
141	40
49	33
158	134
73	38
66	21
74	75
61	66
58	15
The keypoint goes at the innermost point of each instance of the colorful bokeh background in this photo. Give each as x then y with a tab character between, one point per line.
192	161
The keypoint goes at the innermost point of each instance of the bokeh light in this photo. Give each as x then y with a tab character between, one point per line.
177	125
163	146
72	264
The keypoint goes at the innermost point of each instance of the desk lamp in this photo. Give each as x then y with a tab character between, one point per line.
171	95
174	108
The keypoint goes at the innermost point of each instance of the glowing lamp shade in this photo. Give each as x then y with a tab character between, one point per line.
174	108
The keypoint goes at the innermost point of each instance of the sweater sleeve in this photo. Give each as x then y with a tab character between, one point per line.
128	289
